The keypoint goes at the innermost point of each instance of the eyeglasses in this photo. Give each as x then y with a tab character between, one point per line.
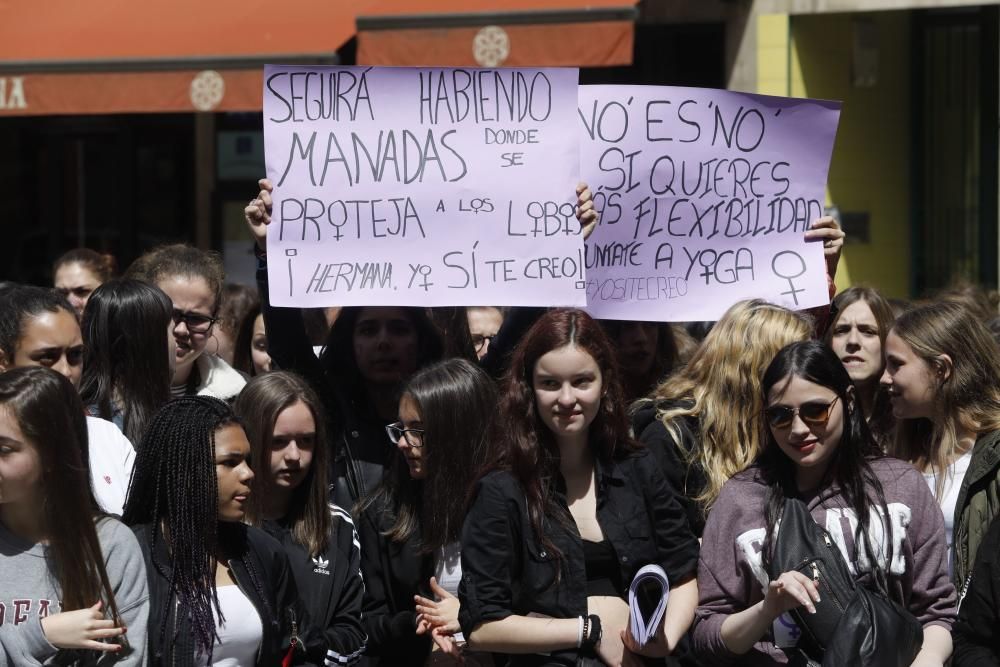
414	436
195	323
479	341
813	414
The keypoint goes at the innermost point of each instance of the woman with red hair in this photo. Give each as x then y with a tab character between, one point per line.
571	509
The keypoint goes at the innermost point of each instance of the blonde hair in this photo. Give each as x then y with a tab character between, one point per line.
721	387
969	398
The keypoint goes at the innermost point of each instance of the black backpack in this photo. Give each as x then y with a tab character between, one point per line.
853	625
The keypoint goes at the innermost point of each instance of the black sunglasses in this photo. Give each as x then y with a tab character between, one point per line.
813	414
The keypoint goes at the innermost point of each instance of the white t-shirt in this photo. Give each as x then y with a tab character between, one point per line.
112	458
240	635
955	474
448	567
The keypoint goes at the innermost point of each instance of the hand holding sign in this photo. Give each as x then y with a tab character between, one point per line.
397	186
706	198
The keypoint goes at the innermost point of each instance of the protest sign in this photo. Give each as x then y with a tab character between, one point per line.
422	186
704	197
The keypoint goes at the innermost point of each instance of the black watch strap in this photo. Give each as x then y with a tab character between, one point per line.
594	633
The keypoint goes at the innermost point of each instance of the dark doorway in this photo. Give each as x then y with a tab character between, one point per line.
118	184
955	103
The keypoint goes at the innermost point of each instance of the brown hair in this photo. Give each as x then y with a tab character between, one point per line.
102	265
258	406
969	398
180	259
528	449
51	416
880	421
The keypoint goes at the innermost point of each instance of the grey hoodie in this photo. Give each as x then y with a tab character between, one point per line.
29	592
731	578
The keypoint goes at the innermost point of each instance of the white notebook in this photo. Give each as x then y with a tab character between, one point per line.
643	629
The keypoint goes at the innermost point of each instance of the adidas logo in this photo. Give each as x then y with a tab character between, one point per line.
321	565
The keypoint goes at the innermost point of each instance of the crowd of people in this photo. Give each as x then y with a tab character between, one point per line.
191	476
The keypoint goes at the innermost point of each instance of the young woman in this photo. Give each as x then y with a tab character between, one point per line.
572	509
235	303
129	354
410	527
193	279
220	591
251	355
943	378
857	335
70	576
877	510
79	272
370	352
288	499
703	422
38	327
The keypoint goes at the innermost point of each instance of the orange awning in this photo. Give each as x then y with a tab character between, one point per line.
122	56
491	33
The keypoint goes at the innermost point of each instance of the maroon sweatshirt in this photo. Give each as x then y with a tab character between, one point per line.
731	577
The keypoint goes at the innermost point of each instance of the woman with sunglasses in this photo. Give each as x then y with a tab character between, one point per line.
703	422
193	279
877	510
410	527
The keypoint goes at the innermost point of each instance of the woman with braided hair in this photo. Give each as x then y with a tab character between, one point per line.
71	577
220	591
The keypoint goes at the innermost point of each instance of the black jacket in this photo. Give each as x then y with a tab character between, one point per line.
394	573
507	571
687	480
280	608
330	586
977	632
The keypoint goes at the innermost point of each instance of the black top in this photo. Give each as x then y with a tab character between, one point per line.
687	480
603	575
330	585
280	607
393	572
977	632
506	571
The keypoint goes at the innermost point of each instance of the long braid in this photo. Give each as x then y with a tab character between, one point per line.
174	488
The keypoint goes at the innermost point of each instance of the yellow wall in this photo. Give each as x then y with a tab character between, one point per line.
810	56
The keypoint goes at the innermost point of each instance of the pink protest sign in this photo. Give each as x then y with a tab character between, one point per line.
704	197
423	186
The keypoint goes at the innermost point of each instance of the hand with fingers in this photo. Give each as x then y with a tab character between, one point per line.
827	230
82	629
440	615
446	643
789	591
257	213
656	647
585	211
